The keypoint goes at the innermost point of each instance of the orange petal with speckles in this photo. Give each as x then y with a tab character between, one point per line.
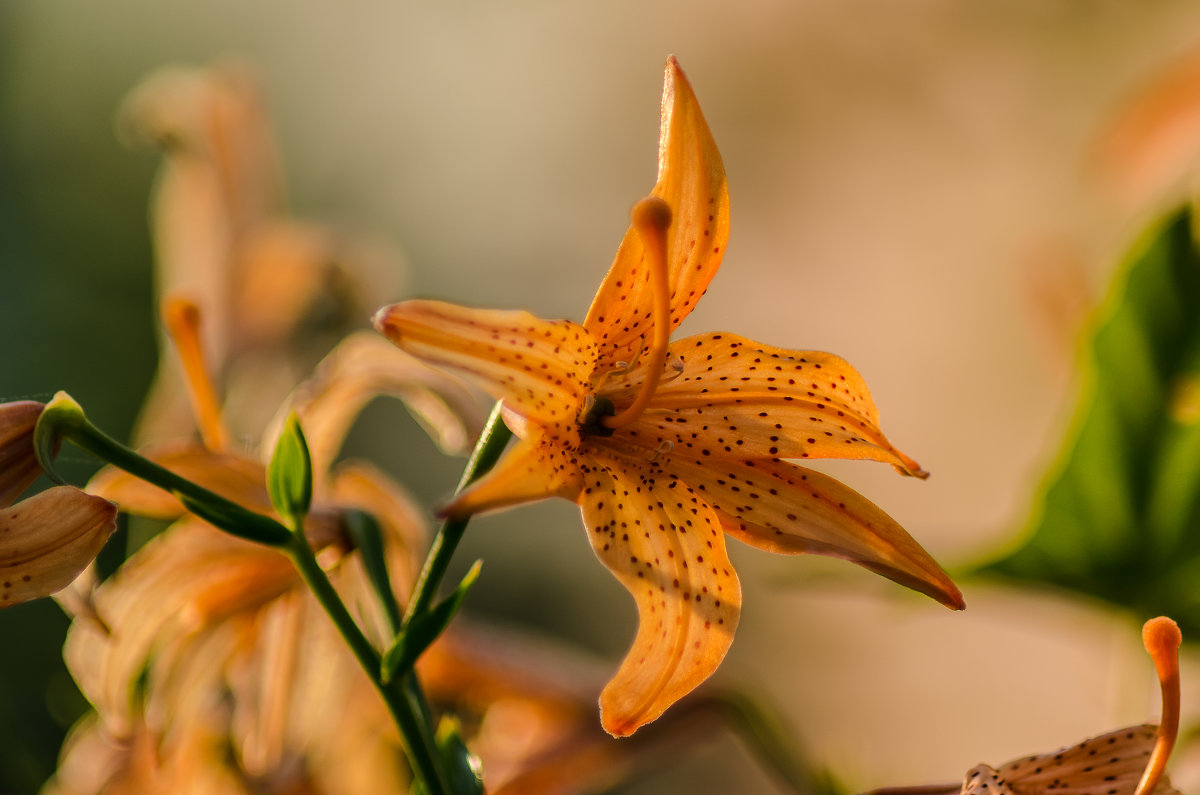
47	539
664	543
1112	762
539	368
691	178
531	470
738	399
780	507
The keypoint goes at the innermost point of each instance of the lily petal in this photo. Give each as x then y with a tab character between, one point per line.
783	508
691	178
1112	762
47	539
362	367
665	545
539	368
19	466
738	399
531	470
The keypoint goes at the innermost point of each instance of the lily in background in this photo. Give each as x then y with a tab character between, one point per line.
1129	761
47	539
666	447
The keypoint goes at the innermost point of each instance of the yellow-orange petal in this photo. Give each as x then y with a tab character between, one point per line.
539	368
362	367
19	466
665	545
691	179
531	470
738	399
47	539
784	508
235	477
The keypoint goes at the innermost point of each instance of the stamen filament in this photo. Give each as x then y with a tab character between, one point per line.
182	320
651	218
1162	638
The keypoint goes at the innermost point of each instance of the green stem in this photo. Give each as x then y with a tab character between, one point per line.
414	730
212	507
487	451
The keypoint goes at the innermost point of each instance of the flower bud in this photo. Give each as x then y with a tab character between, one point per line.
48	539
19	466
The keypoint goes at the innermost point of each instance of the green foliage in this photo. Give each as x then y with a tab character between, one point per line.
424	629
367	537
1119	514
289	475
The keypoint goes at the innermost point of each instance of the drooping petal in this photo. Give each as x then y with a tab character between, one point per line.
362	367
531	470
19	466
235	477
1112	762
47	539
691	178
737	399
783	508
539	368
664	543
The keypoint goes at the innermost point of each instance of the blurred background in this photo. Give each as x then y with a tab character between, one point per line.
926	189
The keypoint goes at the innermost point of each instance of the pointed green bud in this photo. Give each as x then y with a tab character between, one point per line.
289	475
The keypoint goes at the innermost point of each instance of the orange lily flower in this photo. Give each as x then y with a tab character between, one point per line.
665	445
46	539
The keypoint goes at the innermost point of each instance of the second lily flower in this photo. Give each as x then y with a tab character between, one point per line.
668	446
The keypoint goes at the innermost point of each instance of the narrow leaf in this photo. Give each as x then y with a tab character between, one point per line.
424	628
367	537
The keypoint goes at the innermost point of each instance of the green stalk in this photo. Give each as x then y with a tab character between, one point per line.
487	451
415	732
64	418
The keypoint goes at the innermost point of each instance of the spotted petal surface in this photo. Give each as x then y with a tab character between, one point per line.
736	398
1110	764
691	179
539	368
664	543
784	508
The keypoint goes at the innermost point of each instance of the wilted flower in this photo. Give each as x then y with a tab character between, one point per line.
46	539
668	446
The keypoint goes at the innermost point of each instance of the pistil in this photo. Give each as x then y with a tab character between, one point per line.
182	321
1162	638
651	219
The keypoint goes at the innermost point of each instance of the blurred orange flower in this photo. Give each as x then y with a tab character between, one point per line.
667	446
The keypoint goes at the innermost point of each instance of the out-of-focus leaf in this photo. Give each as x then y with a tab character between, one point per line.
1119	514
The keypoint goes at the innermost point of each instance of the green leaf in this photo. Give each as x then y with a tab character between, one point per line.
367	537
289	475
424	628
1118	517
